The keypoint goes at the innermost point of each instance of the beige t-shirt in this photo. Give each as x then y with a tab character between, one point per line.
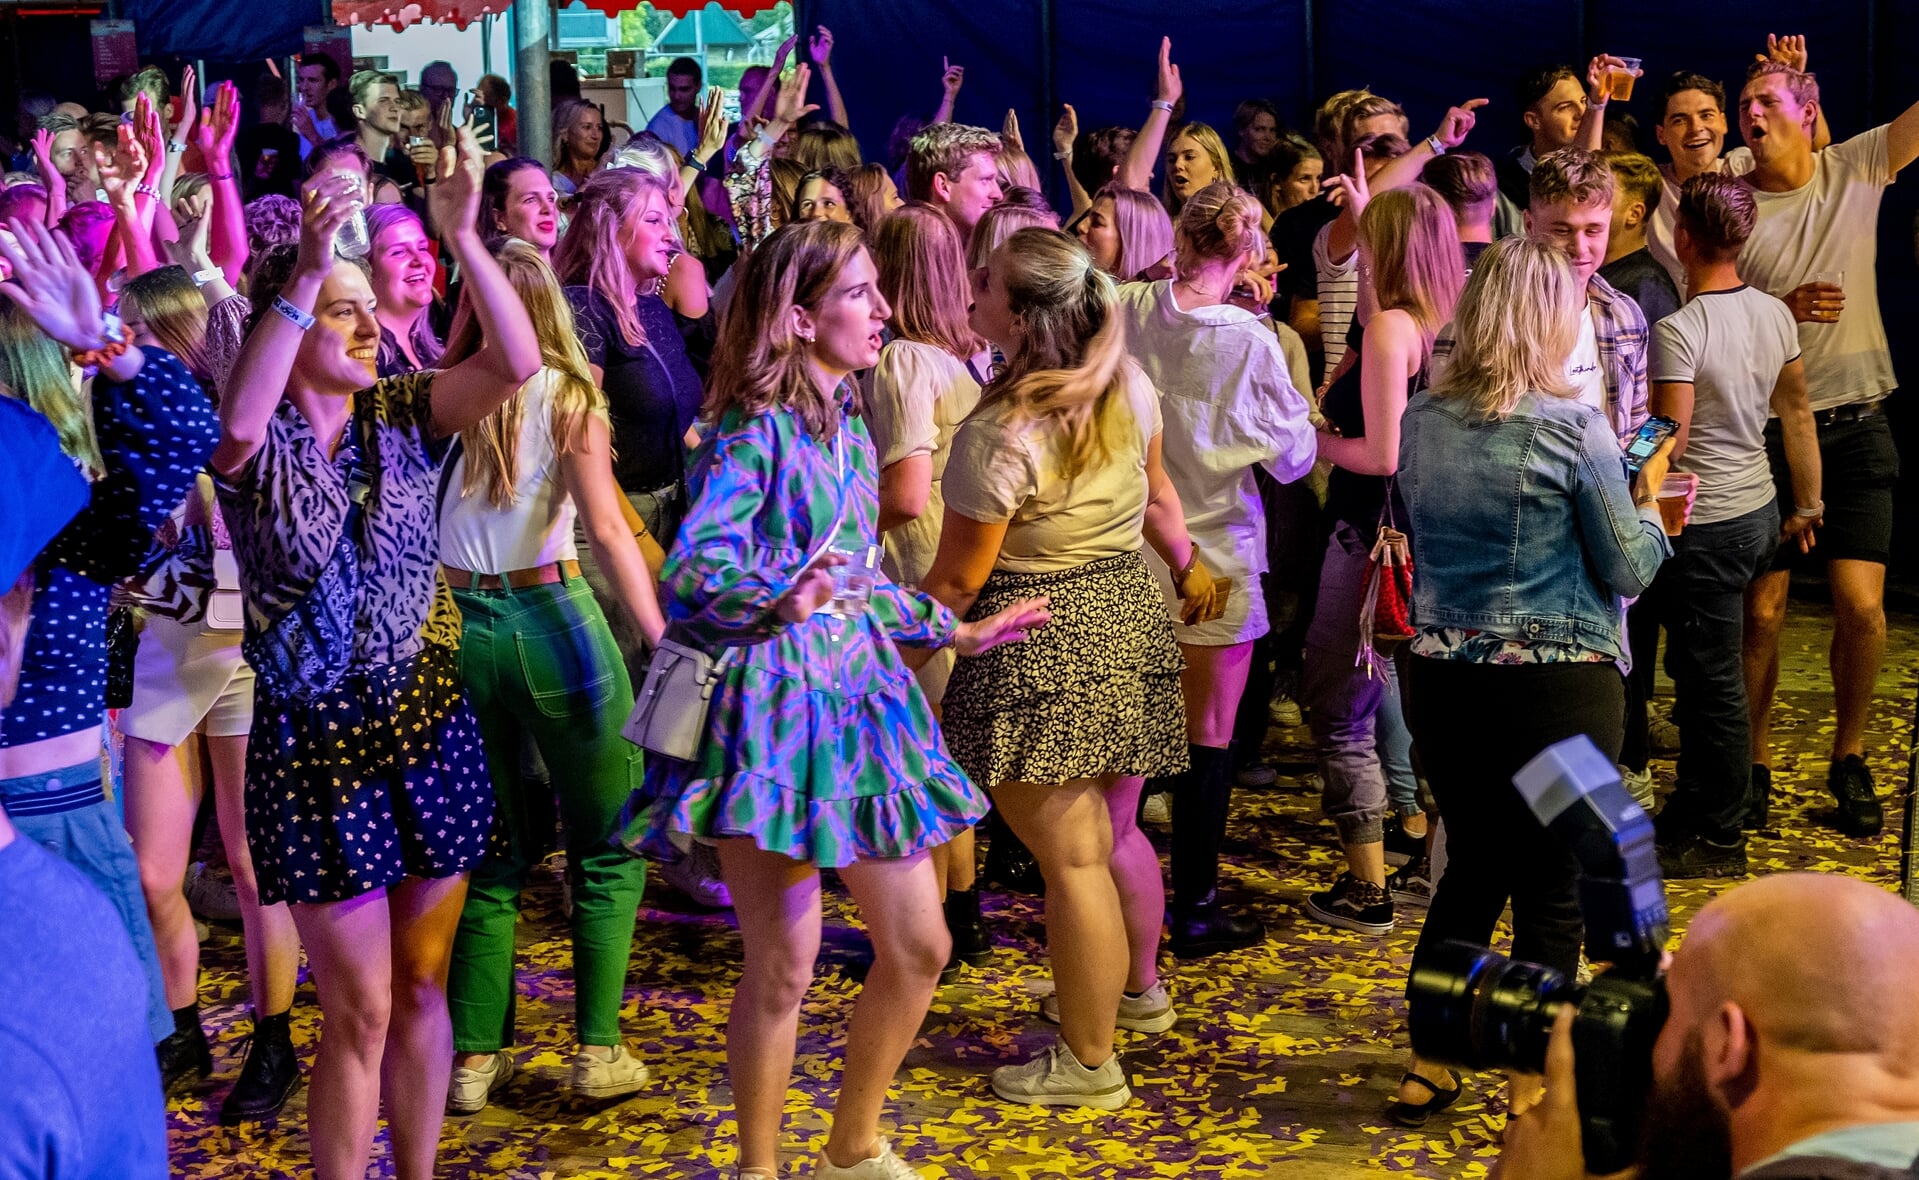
1002	470
916	397
1831	224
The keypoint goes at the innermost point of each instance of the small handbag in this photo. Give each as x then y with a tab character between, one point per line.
1386	606
669	713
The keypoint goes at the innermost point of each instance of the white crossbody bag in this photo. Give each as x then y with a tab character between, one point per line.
669	714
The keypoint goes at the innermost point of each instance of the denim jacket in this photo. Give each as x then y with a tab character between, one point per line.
1524	527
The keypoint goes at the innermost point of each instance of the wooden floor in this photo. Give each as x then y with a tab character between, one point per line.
1280	1066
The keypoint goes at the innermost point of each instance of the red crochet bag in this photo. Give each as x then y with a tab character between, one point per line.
1386	607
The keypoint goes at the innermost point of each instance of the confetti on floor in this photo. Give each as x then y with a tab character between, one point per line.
1281	1065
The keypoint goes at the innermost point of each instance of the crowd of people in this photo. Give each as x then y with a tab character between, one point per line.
378	473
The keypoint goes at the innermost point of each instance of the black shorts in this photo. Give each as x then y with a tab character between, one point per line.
1859	466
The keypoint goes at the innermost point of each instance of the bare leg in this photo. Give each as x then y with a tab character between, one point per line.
1367	862
1858	648
1765	618
162	796
777	902
1071	836
1142	890
273	945
900	903
419	1043
349	943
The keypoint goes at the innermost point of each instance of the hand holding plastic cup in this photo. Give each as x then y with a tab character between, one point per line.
1622	78
853	580
1828	311
1676	495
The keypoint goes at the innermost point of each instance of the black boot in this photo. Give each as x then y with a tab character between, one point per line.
1758	799
1009	864
971	945
185	1057
1206	929
269	1075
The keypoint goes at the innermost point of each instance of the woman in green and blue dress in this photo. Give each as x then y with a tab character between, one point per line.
820	751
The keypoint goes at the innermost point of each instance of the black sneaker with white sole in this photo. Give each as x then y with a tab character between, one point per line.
1353	904
1412	884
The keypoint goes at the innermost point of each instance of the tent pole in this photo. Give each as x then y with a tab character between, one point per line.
533	84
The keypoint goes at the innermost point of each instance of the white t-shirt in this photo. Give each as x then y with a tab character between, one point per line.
1338	297
1828	224
1582	367
1004	470
915	398
1730	346
537	529
1736	162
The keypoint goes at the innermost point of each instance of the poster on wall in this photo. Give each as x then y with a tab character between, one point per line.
336	41
116	53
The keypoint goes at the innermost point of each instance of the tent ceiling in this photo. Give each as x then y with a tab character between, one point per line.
461	13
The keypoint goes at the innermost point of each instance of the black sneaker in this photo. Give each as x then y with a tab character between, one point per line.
1353	904
1401	847
1412	884
1208	929
185	1058
1697	856
1851	784
268	1077
1758	799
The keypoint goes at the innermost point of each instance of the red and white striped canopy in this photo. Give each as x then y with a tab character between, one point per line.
399	14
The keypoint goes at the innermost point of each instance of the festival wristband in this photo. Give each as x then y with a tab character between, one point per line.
298	318
1811	511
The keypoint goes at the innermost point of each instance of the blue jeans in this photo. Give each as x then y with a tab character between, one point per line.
1701	596
65	812
1396	751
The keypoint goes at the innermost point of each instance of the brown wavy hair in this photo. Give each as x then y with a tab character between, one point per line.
923	276
593	252
759	361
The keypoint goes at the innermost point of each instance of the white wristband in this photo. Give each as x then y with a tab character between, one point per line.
1160	104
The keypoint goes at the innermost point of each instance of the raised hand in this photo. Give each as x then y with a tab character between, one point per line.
712	124
952	77
1789	50
219	124
43	153
1009	131
51	286
1350	192
455	200
194	206
325	204
791	105
1066	131
821	47
189	250
1169	88
150	129
1600	76
1012	625
1458	122
125	166
785	50
189	105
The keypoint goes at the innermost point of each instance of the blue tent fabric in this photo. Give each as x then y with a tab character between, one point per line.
221	30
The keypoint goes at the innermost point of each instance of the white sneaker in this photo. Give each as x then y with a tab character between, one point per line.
884	1166
1150	1012
595	1076
697	874
1158	809
1285	712
469	1090
1056	1078
1639	786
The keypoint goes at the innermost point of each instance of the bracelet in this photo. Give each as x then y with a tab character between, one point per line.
97	358
175	147
202	277
1811	511
149	190
298	318
1160	104
1191	561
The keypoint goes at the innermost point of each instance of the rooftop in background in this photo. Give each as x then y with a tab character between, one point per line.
710	28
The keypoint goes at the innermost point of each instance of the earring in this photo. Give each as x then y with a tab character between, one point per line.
807	337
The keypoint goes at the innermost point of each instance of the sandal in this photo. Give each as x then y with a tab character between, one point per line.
1415	1114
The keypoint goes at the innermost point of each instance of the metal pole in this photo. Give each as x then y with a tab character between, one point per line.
486	43
533	85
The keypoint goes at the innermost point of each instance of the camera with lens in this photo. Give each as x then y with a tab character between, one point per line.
1471	1007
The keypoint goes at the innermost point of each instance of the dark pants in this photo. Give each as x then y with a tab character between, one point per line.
1475	725
1643	620
1702	592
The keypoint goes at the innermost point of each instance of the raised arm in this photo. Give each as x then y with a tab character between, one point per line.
1065	134
1452	131
750	117
1351	192
214	136
1599	89
474	388
1137	171
952	77
712	139
123	174
1801	437
259	378
56	184
180	134
1791	50
189	253
821	46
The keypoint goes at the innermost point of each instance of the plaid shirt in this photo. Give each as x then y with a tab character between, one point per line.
1624	345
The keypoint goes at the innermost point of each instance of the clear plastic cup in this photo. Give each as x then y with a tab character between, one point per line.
853	581
1676	493
1622	79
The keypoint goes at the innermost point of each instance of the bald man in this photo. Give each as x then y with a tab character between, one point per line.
1791	1052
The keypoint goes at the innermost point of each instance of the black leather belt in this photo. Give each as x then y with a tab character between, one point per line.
1856	412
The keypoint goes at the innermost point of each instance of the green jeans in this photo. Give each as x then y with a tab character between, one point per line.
540	664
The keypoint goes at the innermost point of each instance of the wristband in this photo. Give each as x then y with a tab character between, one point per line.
175	147
1811	511
202	277
220	176
1160	104
1063	156
1438	145
298	318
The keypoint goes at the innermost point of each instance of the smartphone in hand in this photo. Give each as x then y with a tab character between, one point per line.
1653	433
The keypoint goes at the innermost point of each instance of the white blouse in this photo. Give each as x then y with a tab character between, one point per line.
537	528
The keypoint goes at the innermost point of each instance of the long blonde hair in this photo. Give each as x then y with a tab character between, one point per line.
593	252
923	276
174	312
1417	267
759	361
1066	369
1516	323
1215	149
493	444
33	367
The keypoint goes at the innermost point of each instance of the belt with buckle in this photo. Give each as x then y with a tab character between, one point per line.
1840	415
539	575
56	799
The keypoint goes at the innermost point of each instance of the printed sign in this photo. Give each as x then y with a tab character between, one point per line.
115	52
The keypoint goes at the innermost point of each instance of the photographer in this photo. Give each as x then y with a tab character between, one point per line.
1781	1058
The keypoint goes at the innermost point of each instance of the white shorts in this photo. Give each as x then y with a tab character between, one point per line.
1245	617
188	680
